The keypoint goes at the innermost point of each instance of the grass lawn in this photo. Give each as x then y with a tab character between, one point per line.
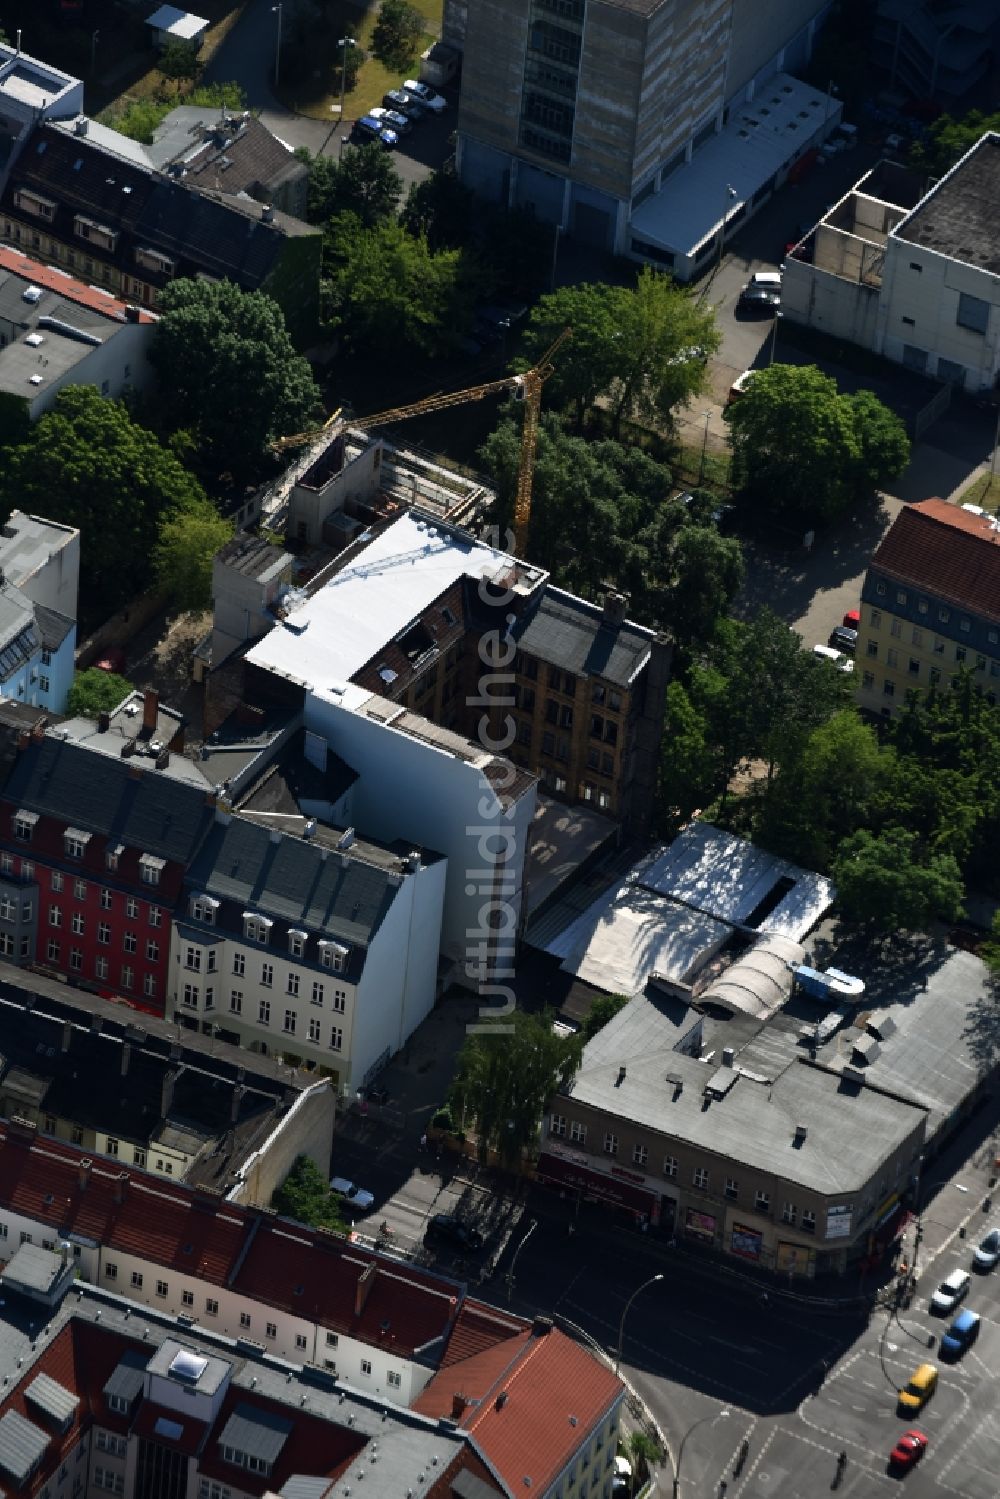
982	491
317	92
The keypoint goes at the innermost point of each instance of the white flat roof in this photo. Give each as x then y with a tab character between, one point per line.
728	878
371	600
760	138
179	23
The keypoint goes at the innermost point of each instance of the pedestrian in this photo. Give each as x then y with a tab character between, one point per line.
570	1229
423	1142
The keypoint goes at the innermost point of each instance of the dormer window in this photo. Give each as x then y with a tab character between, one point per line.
24	826
334	955
150	869
203	908
42	208
297	943
256	928
113	855
152	260
94	233
75	843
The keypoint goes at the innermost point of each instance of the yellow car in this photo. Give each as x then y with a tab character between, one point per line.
923	1383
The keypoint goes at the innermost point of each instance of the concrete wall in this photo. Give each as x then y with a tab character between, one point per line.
929	297
239	603
54	582
119	365
310	505
821	299
761	30
496	38
683	80
307	1129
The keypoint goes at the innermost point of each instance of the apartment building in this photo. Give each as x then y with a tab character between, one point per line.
85	201
30	91
910	272
581	113
306	941
930	606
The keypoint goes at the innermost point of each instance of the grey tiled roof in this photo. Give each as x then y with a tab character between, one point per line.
52	626
291	879
135	804
567	632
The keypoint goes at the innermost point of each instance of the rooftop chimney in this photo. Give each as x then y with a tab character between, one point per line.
81	125
459	1404
615	605
621	1077
728	1056
150	709
103	722
800	1135
365	1282
541	1327
121	1186
86	1166
267	214
132	313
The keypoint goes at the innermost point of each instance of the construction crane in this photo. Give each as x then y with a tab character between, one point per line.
526	388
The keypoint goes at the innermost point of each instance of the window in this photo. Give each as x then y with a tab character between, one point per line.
973	313
289	1026
296	943
808	1221
944	615
700	1177
256	928
918	635
203	908
965	625
960	653
76	959
317	993
110	1270
557	1124
896	628
150	869
55	916
155	916
670	1165
762	1202
129	942
333	955
211	1306
239	964
131	908
340	1000
264	1012
107	1441
244	1319
80	889
191	995
732	1188
75	843
24	827
876	619
139	1157
914	667
293	983
267	975
314	1030
868	680
271	1330
104	933
892	659
872	649
366	1366
111	1148
152	952
187	1298
888	689
336	1038
236	1001
137	1280
105	900
610	1144
76	924
640	1155
101	967
789	1213
192	958
332	1340
393	1380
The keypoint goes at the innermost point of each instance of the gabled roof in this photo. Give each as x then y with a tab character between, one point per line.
530	1402
567	632
946	550
125	799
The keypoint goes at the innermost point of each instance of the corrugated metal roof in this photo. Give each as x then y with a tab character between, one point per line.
52	1398
21	1445
256	1432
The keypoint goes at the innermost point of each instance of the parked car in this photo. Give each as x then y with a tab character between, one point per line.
915	1395
392	119
425	96
444	1228
950	1292
988	1253
908	1450
621	1483
397	98
844	639
370	128
961	1335
357	1197
835	658
739	385
759	299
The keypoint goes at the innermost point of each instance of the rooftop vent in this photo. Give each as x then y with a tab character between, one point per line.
31	294
799	1138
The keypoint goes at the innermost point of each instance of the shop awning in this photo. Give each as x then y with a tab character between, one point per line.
563	1173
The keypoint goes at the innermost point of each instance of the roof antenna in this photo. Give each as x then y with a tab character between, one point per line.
17	44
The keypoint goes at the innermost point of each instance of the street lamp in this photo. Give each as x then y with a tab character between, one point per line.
774	338
517	1251
343	44
680	1451
276	10
731	194
95	37
704	449
621	1326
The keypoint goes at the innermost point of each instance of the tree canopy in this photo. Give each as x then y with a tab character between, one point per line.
948	139
504	1080
387	289
94	691
397	34
888	882
305	1196
604	1008
363	182
188	539
805	453
87	464
229	373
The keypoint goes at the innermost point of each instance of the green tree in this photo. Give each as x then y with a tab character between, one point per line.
882	440
504	1080
94	691
188	540
364	182
604	1008
585	367
702	572
689	771
179	61
387	289
886	882
229	373
139	119
948	139
87	464
442	209
305	1196
397	34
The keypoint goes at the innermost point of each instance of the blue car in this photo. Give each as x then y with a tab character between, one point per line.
370	128
961	1335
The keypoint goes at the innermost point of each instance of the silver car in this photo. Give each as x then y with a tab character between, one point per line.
988	1253
355	1197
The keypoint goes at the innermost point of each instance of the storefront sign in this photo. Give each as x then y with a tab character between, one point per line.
699	1225
629	1176
747	1242
792	1259
838	1221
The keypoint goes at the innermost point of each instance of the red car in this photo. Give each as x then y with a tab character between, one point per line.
852	619
908	1450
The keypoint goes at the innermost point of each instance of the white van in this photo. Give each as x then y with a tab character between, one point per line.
835	658
771	280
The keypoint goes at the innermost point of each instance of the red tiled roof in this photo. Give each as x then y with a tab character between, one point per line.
402	1309
952	553
67	286
315	1446
478	1327
554	1394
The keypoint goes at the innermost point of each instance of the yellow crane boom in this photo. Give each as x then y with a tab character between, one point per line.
526	388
